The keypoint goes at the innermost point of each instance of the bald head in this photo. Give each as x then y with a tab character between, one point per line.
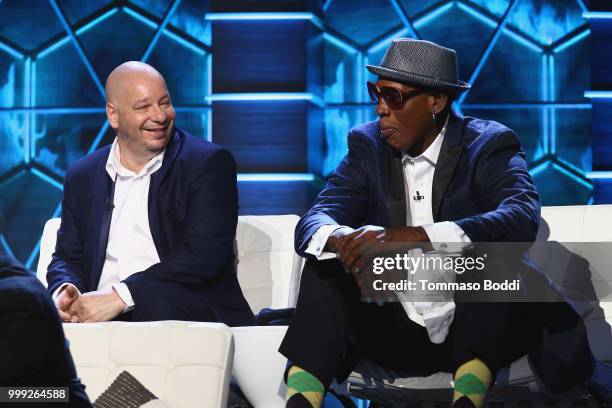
138	107
130	72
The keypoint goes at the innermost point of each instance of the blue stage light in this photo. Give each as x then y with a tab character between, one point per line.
10	51
259	16
529	43
99	137
47	179
62	18
597	14
572	41
245	177
571	175
339	43
159	31
569	165
6	246
184	42
266	96
475	13
598	94
384	43
419	22
510	106
139	17
539	168
595	175
53	47
96	21
405	19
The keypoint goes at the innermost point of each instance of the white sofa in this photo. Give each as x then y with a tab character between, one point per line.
268	271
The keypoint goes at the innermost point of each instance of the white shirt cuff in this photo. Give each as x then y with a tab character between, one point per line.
319	240
447	237
59	290
125	295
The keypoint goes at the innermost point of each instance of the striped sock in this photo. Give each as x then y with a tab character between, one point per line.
472	380
303	386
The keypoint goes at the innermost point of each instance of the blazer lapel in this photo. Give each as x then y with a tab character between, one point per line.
450	153
172	151
395	193
101	214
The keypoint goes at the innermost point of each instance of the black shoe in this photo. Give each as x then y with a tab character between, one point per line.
463	402
298	401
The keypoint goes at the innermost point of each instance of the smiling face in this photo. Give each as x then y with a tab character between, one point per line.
410	127
139	109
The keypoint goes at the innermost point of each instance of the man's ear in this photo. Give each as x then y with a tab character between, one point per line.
439	102
112	113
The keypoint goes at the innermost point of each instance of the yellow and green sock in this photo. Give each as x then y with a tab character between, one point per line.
303	389
472	381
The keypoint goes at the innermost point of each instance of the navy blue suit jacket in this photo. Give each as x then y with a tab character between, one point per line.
193	212
481	183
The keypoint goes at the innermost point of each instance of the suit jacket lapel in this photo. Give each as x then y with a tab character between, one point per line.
101	218
450	153
395	191
172	151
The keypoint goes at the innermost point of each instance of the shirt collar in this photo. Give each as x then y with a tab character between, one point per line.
114	167
432	152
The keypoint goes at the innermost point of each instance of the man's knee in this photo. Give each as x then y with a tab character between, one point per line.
157	302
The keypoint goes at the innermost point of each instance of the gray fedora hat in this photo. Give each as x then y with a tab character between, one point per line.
421	63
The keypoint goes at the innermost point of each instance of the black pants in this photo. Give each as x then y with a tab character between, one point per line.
332	329
169	301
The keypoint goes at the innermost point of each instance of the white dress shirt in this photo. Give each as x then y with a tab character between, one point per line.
130	247
436	317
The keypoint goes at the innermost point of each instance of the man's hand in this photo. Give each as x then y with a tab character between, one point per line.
350	245
65	300
98	306
333	241
405	234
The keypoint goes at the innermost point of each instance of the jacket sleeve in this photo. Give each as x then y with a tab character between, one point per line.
67	260
506	189
343	200
210	226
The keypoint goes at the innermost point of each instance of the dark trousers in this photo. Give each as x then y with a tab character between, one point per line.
169	301
332	329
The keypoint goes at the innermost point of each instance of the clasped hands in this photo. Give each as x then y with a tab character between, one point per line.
97	306
349	244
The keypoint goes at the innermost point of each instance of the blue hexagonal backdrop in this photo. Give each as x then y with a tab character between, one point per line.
284	110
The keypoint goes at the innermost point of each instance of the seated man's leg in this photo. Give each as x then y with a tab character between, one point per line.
316	340
331	321
484	338
170	301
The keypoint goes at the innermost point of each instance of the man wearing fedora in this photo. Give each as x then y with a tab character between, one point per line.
422	173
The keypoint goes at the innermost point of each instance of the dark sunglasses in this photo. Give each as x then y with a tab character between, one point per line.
393	97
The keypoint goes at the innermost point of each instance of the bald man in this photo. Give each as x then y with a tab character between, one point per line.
148	222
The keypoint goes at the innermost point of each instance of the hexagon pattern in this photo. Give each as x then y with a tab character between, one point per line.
52	72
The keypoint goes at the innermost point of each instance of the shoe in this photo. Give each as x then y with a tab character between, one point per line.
463	402
298	401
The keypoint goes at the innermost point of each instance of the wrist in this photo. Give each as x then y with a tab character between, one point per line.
423	237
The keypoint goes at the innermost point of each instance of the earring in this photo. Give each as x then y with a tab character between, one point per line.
433	118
